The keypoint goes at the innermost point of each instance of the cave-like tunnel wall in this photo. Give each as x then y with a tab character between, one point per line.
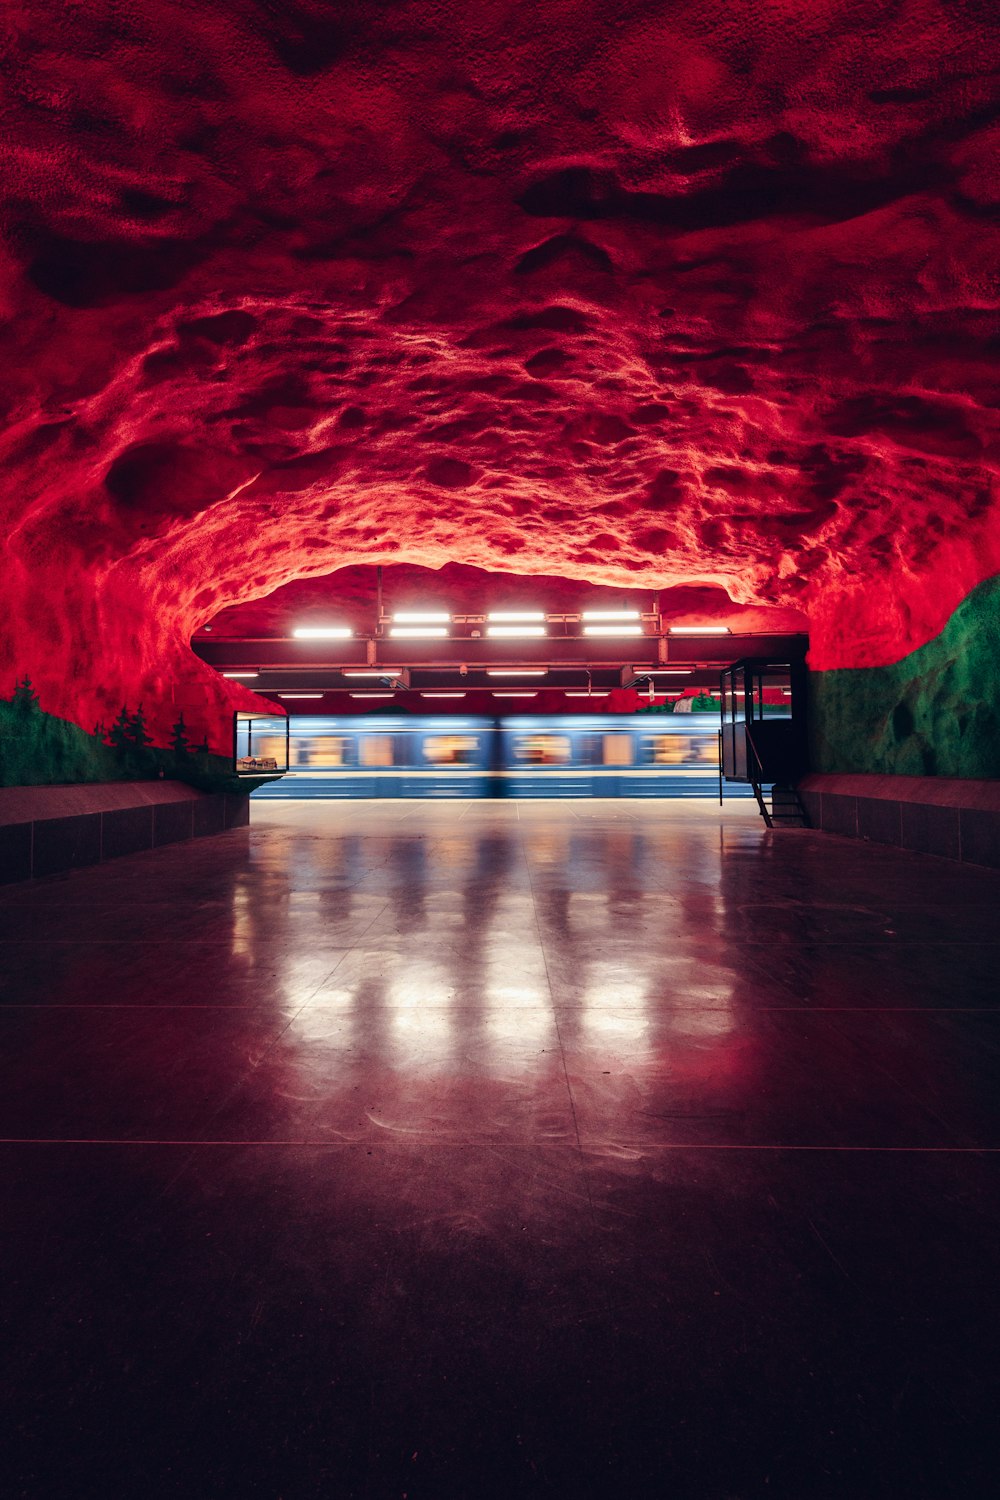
646	294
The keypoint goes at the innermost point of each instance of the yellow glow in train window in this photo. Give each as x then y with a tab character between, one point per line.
376	750
542	749
322	750
667	749
450	749
617	750
705	751
270	747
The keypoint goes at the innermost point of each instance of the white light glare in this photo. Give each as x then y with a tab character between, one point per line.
420	617
612	630
509	631
582	693
514	695
516	671
418	632
610	614
240	674
322	633
371	695
442	695
300	695
700	630
511	615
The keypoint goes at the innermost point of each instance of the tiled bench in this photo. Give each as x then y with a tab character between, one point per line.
929	814
47	829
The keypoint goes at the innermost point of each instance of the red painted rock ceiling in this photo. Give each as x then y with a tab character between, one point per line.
648	295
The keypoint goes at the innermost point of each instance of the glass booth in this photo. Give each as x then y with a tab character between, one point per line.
762	739
260	744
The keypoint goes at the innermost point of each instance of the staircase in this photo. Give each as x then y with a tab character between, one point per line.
786	809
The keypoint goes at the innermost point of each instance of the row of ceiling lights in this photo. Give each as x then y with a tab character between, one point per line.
350	672
504	625
567	693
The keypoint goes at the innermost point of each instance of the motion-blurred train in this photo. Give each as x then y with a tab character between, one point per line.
600	755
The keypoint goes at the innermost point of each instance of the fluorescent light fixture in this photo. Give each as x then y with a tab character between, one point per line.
662	671
582	693
372	672
372	695
516	671
240	674
510	631
700	630
515	695
610	614
420	617
510	616
322	632
612	630
300	695
419	632
442	695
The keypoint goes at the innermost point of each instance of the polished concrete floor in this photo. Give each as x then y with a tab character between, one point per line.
500	1150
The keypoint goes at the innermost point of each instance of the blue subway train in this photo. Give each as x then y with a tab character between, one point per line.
592	755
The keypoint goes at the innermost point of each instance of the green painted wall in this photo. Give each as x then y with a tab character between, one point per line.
39	749
935	713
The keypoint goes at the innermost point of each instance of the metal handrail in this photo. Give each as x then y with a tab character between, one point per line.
757	782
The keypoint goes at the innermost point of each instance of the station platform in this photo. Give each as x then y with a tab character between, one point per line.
501	1149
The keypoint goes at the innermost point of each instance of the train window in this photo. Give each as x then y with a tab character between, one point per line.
588	750
664	749
542	749
705	750
450	749
376	750
617	749
327	750
680	750
270	747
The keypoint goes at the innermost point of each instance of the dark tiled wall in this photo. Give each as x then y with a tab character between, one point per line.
971	834
51	845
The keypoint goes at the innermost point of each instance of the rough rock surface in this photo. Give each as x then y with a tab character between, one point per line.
649	294
350	597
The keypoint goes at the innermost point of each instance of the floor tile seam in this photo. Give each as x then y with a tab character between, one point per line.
769	944
565	1005
181	942
483	1143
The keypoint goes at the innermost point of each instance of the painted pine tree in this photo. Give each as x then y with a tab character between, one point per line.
179	742
138	738
118	734
25	699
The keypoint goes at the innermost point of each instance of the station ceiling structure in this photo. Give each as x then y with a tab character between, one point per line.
645	296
